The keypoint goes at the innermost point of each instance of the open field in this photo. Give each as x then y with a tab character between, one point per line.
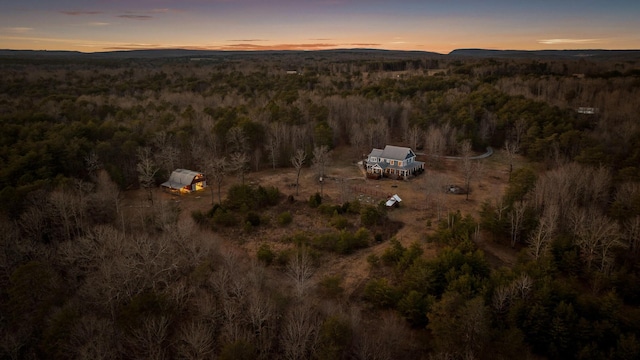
346	181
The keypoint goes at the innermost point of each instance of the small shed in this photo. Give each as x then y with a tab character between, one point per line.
393	201
185	181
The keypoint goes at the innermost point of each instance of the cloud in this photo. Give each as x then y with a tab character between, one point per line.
17	30
136	17
248	40
240	46
49	40
135	47
76	13
165	11
312	46
568	41
230	47
96	23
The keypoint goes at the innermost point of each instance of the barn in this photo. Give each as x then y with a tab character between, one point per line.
185	181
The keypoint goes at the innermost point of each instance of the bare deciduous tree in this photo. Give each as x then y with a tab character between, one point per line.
357	137
597	182
62	207
320	162
215	171
631	234
499	203
233	328
501	299
299	331
195	341
274	141
516	216
107	194
379	341
149	338
33	222
540	238
300	269
413	135
470	167
167	154
320	159
435	144
261	316
238	165
511	148
596	236
487	126
519	128
147	170
297	160
236	140
92	163
522	286
93	338
376	132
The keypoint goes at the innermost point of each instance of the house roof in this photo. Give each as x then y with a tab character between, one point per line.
397	152
376	152
180	178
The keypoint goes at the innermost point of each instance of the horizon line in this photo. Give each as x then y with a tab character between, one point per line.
248	50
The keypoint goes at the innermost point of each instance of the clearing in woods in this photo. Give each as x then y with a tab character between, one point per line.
345	181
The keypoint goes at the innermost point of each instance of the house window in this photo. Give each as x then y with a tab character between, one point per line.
391	162
399	163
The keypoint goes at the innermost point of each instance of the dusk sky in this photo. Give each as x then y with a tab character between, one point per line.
429	25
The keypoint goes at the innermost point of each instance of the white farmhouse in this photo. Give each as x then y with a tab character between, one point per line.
393	161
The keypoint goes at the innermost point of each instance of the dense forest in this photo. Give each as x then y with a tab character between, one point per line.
80	277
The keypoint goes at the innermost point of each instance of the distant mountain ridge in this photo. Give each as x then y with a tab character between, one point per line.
176	53
186	53
546	54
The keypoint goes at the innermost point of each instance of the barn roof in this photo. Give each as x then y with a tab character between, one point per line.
180	178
